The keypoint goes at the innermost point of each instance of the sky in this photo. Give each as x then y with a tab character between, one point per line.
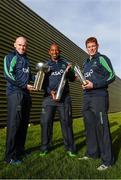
80	19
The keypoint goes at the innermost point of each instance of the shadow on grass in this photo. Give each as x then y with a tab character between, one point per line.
116	137
113	124
59	142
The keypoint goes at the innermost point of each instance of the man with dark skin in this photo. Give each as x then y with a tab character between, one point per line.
52	79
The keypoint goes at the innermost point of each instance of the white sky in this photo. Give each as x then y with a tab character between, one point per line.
80	19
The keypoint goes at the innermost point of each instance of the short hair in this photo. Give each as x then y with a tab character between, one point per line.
54	44
91	39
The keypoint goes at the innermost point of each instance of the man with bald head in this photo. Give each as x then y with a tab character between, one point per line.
18	76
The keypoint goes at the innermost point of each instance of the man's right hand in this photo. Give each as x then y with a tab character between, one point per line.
53	94
30	87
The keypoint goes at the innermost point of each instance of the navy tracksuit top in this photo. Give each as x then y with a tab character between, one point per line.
99	71
53	77
17	72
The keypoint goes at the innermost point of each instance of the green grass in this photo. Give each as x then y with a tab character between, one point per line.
57	165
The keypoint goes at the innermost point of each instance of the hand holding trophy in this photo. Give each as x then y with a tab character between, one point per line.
80	75
57	95
61	87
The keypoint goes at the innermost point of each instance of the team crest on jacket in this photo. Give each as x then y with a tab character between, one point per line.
63	66
94	64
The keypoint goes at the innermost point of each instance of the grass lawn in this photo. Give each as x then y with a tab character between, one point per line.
57	165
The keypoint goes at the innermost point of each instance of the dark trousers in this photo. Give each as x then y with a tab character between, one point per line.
98	137
65	113
19	105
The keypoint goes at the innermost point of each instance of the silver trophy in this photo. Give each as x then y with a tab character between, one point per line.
80	75
61	87
42	68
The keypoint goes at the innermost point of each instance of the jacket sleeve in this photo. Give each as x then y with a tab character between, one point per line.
9	70
14	73
71	74
31	76
109	75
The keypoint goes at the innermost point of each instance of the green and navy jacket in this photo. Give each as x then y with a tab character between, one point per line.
53	77
99	71
17	72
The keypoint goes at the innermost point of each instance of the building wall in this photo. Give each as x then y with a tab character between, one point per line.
16	19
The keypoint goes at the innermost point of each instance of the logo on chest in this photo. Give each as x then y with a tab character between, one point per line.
56	73
26	70
88	74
